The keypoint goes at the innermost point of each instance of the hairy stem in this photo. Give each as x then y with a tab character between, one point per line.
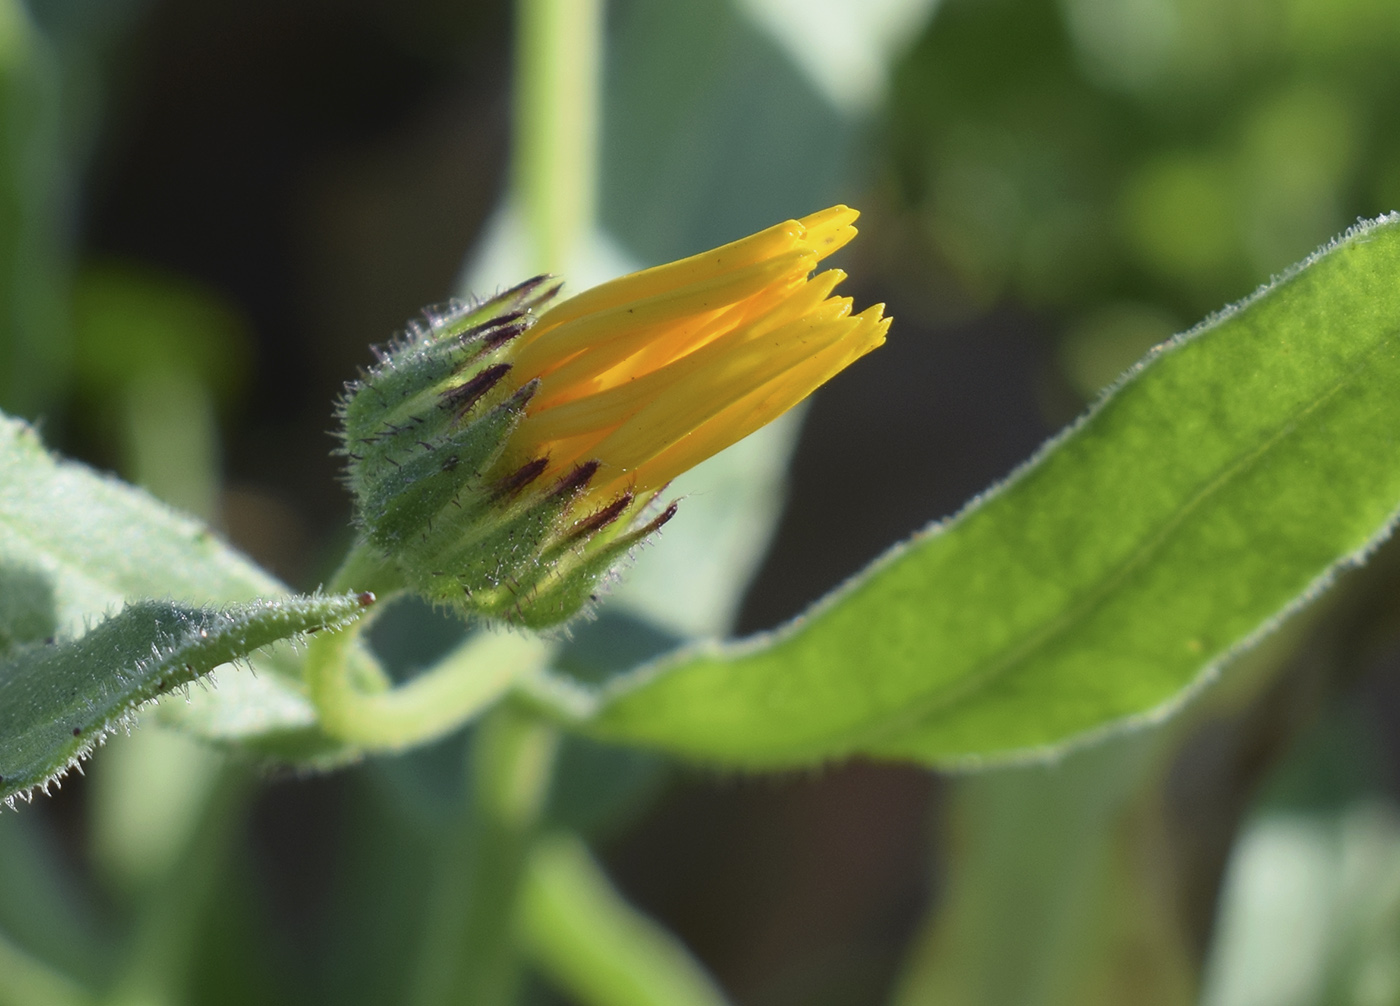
366	569
356	704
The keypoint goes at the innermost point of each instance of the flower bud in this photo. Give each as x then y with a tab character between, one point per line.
505	459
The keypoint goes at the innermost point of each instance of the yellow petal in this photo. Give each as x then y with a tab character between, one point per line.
654	372
745	416
708	389
539	353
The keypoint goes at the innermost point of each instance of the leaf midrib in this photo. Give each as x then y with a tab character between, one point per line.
945	697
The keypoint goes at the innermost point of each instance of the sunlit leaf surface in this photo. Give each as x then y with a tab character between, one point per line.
1223	484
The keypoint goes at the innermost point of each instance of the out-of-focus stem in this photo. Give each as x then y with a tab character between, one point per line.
167	929
35	334
558	53
595	946
171	439
471	955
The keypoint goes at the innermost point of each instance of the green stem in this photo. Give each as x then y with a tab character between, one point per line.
558	53
471	954
365	568
430	706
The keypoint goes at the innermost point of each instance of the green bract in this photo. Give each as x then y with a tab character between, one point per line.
425	432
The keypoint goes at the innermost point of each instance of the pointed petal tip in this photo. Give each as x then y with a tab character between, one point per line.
832	217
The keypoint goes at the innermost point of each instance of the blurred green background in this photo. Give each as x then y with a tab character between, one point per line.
209	210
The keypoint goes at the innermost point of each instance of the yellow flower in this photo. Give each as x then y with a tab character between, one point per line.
503	462
653	373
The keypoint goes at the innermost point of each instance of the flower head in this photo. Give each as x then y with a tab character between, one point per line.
507	459
654	372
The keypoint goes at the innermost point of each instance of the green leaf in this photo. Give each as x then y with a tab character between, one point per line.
58	699
76	545
1222	484
98	541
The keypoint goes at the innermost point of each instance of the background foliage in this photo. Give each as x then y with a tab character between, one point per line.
211	209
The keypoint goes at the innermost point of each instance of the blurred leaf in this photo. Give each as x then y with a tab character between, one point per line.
1310	912
154	355
1039	908
598	788
25	981
690	580
97	541
1298	154
710	133
1101	347
844	49
145	800
129	321
397	851
1165	151
1008	156
239	958
1223	485
34	338
58	699
43	907
1177	211
594	944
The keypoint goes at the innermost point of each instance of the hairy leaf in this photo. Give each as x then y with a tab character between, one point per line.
1222	484
93	541
76	545
57	699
